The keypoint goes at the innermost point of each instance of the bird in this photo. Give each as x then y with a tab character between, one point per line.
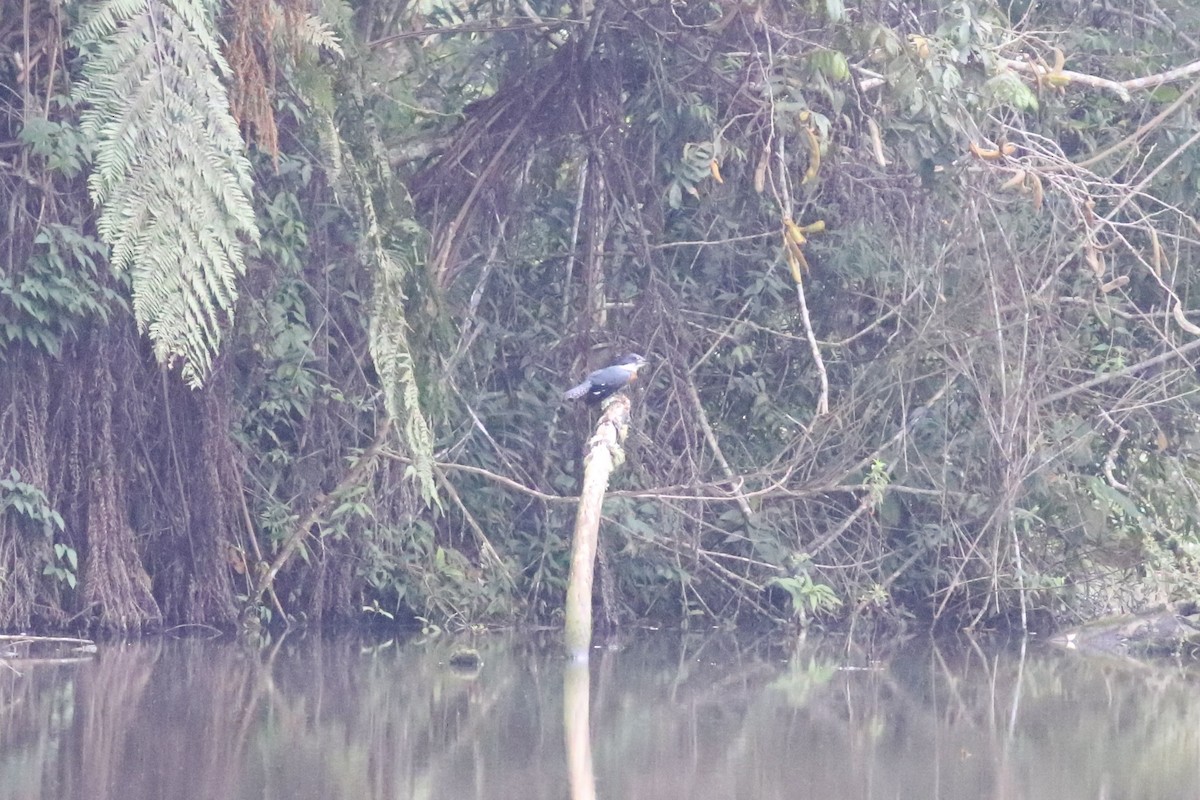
604	383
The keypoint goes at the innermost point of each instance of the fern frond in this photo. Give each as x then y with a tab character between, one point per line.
388	336
315	32
393	361
101	19
169	175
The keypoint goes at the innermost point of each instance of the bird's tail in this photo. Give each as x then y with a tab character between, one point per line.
576	392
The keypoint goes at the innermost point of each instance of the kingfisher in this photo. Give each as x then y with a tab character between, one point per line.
603	383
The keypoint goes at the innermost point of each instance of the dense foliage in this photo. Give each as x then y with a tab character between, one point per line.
914	279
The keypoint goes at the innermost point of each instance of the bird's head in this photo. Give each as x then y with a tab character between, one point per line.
631	361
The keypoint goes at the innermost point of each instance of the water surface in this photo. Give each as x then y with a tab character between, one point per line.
662	716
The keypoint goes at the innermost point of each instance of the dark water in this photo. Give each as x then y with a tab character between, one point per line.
670	717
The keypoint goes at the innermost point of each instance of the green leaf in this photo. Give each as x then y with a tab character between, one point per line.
1007	88
832	64
675	195
1114	497
1165	94
37	134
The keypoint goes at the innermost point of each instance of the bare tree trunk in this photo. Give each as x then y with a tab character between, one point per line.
604	454
114	580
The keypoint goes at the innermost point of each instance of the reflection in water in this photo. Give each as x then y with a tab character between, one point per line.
670	717
577	734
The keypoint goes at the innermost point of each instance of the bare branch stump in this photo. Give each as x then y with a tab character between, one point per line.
602	456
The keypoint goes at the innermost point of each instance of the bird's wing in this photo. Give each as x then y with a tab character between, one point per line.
576	392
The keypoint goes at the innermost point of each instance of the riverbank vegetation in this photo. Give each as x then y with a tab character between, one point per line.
289	291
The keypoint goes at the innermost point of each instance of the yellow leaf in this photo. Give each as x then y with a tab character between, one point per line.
1035	183
814	156
796	262
1017	181
793	231
920	46
876	142
760	171
1114	284
986	154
